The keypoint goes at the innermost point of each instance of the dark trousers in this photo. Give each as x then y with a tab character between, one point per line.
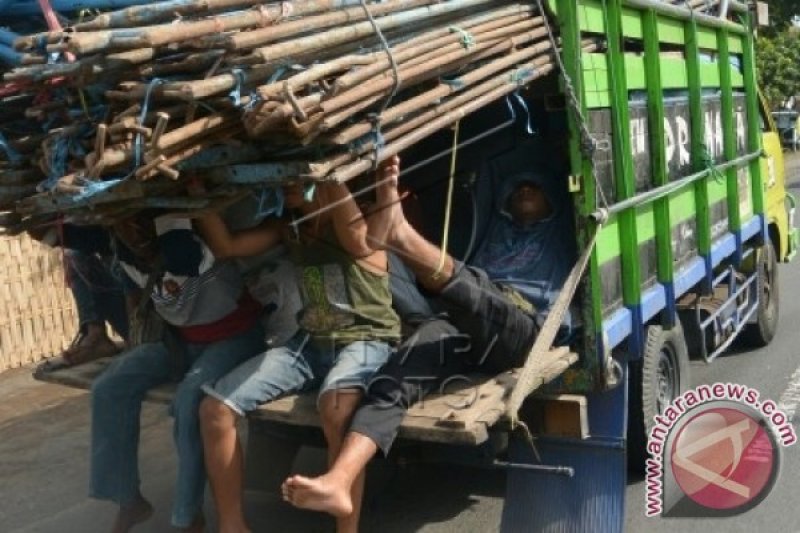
484	332
98	293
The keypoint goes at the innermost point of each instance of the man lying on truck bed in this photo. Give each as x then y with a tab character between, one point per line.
524	261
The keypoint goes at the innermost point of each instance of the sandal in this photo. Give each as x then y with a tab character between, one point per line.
79	353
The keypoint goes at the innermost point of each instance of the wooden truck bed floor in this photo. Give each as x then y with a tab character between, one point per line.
463	415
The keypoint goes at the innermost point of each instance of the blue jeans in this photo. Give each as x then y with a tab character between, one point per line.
300	365
98	294
117	396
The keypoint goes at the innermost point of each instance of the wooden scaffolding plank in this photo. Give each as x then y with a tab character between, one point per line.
461	416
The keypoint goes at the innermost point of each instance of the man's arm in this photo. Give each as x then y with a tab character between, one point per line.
253	241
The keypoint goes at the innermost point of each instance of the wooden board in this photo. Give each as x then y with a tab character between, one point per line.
461	416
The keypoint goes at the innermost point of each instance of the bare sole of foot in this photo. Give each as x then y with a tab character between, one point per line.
131	515
318	494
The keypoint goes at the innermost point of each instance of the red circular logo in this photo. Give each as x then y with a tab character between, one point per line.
723	458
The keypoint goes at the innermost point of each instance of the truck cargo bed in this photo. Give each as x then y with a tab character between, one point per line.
462	415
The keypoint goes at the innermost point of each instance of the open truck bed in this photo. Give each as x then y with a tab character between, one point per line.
462	415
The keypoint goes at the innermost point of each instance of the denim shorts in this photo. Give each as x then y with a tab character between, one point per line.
301	365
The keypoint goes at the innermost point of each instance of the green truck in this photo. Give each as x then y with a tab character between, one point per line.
676	174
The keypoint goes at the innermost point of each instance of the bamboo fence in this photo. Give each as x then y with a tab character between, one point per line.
37	312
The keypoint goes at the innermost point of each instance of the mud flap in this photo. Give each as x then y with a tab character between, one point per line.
592	500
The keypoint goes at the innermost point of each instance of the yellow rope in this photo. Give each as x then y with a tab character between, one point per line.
449	206
83	103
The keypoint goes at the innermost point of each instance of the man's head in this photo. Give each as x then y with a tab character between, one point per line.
138	234
528	204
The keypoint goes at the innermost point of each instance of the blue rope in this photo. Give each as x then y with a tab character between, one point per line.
467	39
528	126
270	202
308	192
255	98
11	154
521	102
236	93
375	137
138	142
455	83
41	44
93	188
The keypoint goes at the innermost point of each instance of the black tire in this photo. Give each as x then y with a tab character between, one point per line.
762	331
655	381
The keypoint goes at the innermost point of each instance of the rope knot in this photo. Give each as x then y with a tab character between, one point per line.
467	39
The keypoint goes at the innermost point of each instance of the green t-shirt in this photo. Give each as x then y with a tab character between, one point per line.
342	302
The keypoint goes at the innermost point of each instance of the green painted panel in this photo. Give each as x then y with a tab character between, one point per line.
706	38
735	44
671	31
632	23
717	190
673	73
737	80
590	17
645	223
634	72
682	205
595	72
597	100
709	75
608	242
595	78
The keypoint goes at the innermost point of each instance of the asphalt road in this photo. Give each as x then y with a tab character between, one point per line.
44	434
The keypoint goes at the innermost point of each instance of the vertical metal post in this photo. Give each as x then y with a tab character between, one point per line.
754	140
658	150
698	142
728	130
580	166
623	162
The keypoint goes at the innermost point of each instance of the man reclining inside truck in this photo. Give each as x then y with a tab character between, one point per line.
523	264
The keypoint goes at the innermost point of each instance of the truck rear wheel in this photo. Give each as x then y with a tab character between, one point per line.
762	331
655	382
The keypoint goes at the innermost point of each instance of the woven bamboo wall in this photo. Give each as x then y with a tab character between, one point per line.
37	313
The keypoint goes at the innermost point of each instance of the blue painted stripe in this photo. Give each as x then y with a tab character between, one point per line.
689	276
654	300
752	227
617	327
620	324
722	248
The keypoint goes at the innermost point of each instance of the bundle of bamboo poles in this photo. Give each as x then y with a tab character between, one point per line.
303	90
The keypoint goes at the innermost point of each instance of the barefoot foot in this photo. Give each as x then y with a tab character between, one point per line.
318	494
132	514
387	221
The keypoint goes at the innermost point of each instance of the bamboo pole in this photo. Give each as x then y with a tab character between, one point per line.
433	68
322	168
443	90
157	12
406	51
314	103
343	174
253	38
356	31
88	68
163	34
